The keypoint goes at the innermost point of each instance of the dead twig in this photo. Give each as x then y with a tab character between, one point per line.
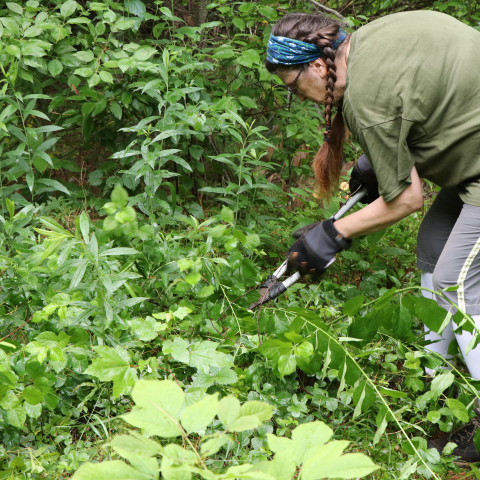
16	330
326	9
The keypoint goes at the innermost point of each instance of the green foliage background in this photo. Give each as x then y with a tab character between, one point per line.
151	171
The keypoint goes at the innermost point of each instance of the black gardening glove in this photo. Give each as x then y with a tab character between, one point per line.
363	175
311	253
301	232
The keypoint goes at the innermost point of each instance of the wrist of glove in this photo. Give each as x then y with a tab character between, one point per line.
312	253
363	175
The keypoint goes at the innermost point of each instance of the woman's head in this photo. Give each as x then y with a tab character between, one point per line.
315	79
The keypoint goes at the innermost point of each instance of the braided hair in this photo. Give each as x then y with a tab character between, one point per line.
319	30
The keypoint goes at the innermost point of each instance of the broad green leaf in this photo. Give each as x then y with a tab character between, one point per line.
213	445
228	410
262	410
116	110
222	376
161	402
287	364
113	470
245	423
352	306
309	435
249	57
201	414
430	313
114	364
274	349
279	444
68	8
227	215
119	196
458	409
107	78
442	382
15	7
32	396
326	462
84	72
16	417
144	53
126	445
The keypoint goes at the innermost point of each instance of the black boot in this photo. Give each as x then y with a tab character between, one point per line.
463	437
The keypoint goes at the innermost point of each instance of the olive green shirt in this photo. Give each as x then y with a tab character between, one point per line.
413	99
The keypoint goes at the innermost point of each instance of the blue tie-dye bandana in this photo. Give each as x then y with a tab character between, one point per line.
287	51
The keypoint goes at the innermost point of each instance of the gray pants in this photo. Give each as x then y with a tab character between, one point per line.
448	246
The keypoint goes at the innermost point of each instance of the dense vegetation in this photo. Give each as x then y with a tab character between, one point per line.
151	171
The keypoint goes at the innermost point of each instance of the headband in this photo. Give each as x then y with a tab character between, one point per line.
287	51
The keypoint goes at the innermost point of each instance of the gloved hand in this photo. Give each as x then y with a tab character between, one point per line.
301	232
363	175
312	253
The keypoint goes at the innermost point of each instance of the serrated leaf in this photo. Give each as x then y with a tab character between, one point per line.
213	445
201	414
114	365
161	403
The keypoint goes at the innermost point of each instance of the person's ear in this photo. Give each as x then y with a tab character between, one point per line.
318	67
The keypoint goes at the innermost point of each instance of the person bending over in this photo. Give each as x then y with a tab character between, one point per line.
407	87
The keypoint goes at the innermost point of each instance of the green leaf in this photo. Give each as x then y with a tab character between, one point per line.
212	446
309	435
84	72
84	56
144	53
68	8
107	78
114	364
54	184
206	291
458	409
223	376
85	227
161	403
126	445
200	415
327	463
442	382
273	349
15	7
245	423
13	50
239	23
227	215
32	396
228	410
430	313
113	470
262	410
249	57
352	306
119	251
286	364
116	110
16	417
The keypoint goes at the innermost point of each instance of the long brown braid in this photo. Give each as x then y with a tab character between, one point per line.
321	31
